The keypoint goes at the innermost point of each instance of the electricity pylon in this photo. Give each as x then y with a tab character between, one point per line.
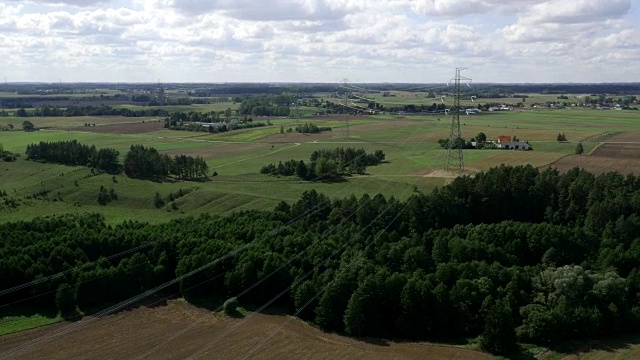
455	157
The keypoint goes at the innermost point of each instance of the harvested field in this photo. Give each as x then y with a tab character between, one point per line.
179	330
625	137
621	157
125	128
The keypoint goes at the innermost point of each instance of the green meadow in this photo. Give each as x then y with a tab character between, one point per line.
414	160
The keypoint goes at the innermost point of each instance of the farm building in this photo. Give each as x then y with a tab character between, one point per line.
503	138
513	145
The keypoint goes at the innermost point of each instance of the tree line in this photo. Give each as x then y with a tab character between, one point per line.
139	162
311	128
73	153
327	164
102	110
275	105
511	254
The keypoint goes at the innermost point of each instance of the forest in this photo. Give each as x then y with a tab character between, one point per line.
327	165
275	105
511	255
102	110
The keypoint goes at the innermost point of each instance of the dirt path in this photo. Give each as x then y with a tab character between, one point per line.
151	333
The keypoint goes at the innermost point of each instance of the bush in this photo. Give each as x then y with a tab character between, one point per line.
579	149
231	307
66	301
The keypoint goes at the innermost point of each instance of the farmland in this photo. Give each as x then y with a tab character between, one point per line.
412	168
413	158
178	330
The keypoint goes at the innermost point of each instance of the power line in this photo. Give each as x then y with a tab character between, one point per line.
302	278
455	158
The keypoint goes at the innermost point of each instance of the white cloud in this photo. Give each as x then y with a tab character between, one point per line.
577	11
317	40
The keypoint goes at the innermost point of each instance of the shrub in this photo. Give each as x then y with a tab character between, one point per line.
231	307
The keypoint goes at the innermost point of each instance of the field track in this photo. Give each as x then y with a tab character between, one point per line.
147	333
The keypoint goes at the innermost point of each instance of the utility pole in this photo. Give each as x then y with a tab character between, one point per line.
345	85
455	158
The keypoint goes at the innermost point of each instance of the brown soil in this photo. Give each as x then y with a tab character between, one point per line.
179	330
622	157
128	128
625	137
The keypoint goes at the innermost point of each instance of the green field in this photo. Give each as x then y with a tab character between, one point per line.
20	319
414	160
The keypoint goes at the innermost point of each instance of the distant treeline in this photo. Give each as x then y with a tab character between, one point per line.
102	110
214	129
327	164
229	89
511	254
277	105
139	162
311	128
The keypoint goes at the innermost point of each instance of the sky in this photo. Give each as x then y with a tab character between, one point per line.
365	41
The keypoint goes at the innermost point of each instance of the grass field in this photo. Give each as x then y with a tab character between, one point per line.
21	319
413	158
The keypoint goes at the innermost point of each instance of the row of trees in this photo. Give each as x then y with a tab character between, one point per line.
327	164
101	110
541	257
139	162
311	128
73	153
148	163
211	128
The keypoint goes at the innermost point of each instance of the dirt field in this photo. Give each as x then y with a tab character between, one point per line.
127	128
611	156
179	331
625	137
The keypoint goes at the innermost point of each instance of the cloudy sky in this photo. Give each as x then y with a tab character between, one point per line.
319	40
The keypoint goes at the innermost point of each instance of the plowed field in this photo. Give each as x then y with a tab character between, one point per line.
620	153
179	330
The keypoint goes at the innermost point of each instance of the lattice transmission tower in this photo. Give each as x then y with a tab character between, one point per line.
345	86
455	158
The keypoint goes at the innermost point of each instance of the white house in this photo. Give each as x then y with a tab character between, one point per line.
513	145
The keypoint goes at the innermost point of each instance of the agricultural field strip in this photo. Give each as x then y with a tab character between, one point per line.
118	306
258	156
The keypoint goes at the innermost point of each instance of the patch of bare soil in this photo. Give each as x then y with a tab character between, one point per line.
179	330
625	137
126	128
